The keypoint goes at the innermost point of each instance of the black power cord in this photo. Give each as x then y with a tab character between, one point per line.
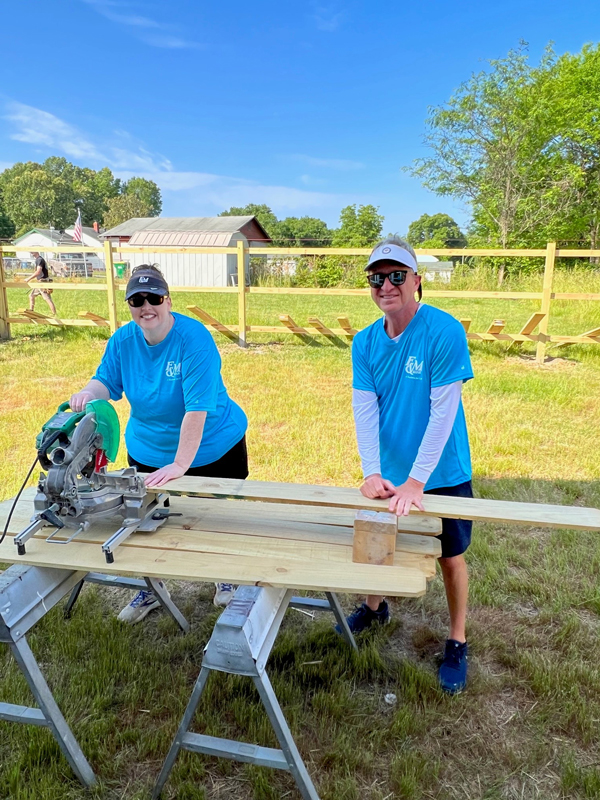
14	505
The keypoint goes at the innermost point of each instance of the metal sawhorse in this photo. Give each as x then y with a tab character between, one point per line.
241	643
26	594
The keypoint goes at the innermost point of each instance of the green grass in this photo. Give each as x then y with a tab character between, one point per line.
529	724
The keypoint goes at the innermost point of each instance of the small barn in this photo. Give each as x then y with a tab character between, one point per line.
189	268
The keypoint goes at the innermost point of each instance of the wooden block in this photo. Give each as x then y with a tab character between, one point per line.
374	537
345	324
214	323
497	326
466	323
532	323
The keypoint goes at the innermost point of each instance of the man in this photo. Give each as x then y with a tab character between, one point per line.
408	371
41	274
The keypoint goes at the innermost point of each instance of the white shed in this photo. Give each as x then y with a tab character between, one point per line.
188	269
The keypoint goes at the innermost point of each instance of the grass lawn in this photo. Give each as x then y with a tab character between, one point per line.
528	725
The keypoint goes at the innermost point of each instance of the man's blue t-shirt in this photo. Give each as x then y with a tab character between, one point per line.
164	381
431	352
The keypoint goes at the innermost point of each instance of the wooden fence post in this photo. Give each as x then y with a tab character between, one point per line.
113	320
4	326
241	277
540	353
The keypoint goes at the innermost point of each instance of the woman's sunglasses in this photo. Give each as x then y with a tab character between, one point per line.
377	279
138	300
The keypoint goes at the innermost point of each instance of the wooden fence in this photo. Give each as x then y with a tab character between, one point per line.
239	333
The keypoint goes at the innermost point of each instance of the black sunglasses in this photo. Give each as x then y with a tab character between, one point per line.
377	279
137	300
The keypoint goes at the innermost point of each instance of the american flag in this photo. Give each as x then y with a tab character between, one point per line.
78	231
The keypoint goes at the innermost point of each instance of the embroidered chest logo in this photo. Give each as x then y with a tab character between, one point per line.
413	367
173	370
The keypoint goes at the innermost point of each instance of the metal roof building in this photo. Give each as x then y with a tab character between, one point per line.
188	269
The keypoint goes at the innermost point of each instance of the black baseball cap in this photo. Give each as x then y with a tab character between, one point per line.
146	281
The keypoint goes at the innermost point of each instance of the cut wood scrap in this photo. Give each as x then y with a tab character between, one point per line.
545	515
466	323
40	319
101	321
497	326
289	323
532	323
374	537
214	323
345	325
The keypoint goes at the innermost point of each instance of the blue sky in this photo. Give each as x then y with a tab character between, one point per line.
306	106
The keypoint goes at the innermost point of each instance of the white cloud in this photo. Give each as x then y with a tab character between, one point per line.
327	18
142	25
186	193
342	164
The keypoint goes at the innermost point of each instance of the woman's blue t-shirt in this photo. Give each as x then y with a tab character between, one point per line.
164	381
431	352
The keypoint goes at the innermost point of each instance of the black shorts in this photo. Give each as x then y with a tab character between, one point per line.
234	464
456	533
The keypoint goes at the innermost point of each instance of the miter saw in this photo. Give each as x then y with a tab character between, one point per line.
74	448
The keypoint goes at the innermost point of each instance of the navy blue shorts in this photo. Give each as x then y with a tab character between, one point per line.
456	533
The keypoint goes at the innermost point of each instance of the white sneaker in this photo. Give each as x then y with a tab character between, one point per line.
141	605
223	594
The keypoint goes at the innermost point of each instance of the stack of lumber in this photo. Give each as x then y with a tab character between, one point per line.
277	534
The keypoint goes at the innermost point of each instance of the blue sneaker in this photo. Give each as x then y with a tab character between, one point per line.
141	605
363	617
453	669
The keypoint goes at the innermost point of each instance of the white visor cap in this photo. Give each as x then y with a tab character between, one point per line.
392	252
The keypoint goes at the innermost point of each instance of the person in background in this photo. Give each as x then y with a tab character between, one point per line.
408	372
42	275
182	420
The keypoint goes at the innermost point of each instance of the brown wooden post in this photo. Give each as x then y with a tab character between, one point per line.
241	276
4	326
113	320
540	353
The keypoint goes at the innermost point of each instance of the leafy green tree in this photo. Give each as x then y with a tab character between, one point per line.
262	213
435	230
124	207
359	227
303	232
35	198
146	192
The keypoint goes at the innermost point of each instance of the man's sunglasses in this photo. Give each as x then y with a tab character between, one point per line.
377	279
138	300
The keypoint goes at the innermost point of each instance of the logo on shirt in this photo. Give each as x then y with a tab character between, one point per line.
173	370
413	367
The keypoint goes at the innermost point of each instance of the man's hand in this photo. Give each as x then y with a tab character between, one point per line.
376	486
79	400
164	475
407	495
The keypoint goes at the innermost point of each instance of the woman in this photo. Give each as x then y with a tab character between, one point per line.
182	420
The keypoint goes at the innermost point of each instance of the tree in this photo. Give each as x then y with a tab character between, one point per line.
124	207
262	213
435	230
35	198
491	146
147	193
303	232
358	227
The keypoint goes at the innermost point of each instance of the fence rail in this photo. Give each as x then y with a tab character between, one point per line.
342	335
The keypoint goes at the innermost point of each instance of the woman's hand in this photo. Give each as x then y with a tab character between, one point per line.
376	486
164	475
407	495
79	400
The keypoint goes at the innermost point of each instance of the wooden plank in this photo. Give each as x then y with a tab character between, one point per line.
214	323
264	571
497	326
40	319
532	323
302	333
466	323
96	318
537	514
82	287
374	537
593	334
346	327
67	323
575	296
321	327
549	264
